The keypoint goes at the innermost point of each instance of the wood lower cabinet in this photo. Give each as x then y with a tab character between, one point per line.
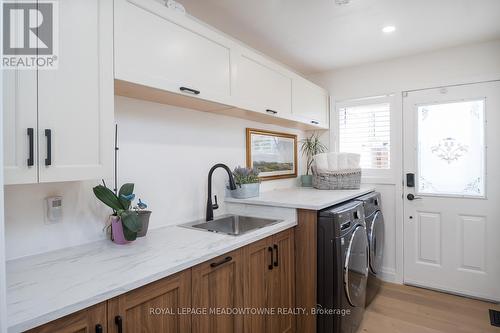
90	320
205	298
269	284
156	307
218	286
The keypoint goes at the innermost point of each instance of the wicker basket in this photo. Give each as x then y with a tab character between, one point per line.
338	180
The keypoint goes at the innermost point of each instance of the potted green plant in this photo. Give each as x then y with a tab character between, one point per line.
310	146
125	223
247	183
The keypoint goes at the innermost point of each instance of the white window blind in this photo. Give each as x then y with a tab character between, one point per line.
365	129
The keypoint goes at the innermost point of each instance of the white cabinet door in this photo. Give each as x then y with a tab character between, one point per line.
310	103
75	102
260	86
153	50
19	115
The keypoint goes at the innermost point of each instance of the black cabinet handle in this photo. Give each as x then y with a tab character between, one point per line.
189	90
270	249
48	135
271	111
119	324
98	328
223	261
31	145
314	122
277	255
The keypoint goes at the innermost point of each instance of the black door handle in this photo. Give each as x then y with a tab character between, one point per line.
271	111
412	197
276	262
314	122
98	328
48	135
270	249
189	90
31	145
119	324
223	261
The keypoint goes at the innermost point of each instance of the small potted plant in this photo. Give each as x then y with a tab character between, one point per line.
247	183
125	223
310	146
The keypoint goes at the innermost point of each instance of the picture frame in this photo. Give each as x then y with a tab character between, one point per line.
274	154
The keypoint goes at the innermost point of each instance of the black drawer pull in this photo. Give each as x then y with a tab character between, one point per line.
119	324
223	261
276	262
271	111
189	90
270	249
48	135
314	122
31	145
98	328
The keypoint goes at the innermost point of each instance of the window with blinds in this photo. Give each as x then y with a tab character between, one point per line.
365	129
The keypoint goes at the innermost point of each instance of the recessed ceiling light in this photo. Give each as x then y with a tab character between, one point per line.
388	29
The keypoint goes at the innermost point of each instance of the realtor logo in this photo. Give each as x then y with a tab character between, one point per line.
30	34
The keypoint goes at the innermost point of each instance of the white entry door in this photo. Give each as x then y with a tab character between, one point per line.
452	189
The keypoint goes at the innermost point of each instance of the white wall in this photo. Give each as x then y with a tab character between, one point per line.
166	151
465	64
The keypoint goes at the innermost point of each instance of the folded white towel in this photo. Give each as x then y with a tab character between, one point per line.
321	162
342	161
352	160
332	161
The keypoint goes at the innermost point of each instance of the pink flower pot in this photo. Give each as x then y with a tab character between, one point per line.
117	235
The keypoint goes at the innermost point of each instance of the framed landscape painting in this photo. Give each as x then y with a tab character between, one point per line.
274	154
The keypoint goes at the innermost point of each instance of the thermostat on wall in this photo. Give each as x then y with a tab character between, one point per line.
53	209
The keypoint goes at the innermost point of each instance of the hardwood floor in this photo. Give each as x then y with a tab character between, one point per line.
405	309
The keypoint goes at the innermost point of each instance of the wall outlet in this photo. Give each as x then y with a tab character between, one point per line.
53	210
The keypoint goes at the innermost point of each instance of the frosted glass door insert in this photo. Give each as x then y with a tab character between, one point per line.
451	149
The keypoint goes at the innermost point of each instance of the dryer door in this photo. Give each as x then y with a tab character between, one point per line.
376	242
356	267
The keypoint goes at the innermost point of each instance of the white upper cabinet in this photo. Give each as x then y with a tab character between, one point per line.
20	127
70	109
167	57
162	49
261	86
310	103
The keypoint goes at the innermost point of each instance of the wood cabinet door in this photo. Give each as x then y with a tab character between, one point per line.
75	101
282	289
218	285
90	320
258	274
156	307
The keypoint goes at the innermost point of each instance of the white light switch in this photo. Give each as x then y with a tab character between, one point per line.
53	210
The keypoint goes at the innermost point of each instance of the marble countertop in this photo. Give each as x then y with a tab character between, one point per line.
48	286
303	198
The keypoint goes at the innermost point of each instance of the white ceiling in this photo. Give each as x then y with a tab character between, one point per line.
317	35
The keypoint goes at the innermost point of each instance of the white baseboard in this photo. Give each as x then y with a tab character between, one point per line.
389	275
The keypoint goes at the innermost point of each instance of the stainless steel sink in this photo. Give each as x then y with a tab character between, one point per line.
231	224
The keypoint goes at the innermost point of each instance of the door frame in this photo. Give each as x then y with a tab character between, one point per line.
400	227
